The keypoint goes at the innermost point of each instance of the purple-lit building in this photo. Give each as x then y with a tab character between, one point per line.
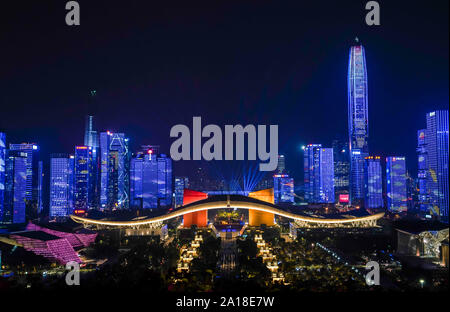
56	246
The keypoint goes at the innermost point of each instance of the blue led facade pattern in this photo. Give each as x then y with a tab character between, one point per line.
82	176
61	185
181	183
283	188
396	184
33	183
114	171
2	171
436	141
151	181
422	169
358	120
373	182
318	174
16	167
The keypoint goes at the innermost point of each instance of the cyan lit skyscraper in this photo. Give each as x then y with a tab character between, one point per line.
436	140
283	188
358	120
373	182
114	171
151	180
61	185
396	184
318	174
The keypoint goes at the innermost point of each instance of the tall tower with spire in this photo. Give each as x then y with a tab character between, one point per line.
358	120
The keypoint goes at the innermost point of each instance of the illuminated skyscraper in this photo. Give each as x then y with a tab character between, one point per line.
283	188
396	184
33	193
83	181
373	182
436	140
16	167
61	185
2	171
341	168
114	171
422	169
151	180
181	183
281	168
91	140
318	174
358	120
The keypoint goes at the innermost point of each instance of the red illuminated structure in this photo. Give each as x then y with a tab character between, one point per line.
199	218
344	198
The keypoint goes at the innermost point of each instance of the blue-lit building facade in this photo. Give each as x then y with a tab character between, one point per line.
61	185
283	188
14	205
33	193
373	182
422	172
2	171
83	189
341	168
396	184
181	183
358	120
91	140
318	174
436	140
151	180
114	171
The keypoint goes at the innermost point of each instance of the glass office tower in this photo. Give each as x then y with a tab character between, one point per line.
2	171
16	167
341	168
396	184
318	174
283	188
281	167
82	175
358	120
151	180
33	194
61	185
436	141
373	182
114	171
181	183
422	169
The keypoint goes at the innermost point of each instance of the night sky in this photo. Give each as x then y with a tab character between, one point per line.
155	64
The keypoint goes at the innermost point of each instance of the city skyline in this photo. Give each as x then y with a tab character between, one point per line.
291	92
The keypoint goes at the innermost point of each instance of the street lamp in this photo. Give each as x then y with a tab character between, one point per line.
421	283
